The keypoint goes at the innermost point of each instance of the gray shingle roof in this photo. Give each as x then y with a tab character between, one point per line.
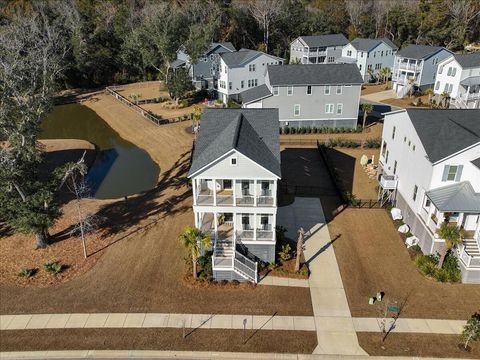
471	81
177	63
458	197
369	44
227	45
252	132
419	51
256	93
242	56
325	40
446	132
314	74
468	60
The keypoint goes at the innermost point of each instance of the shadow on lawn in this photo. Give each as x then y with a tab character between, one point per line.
152	206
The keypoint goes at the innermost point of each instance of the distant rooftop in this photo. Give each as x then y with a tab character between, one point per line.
458	197
369	44
446	132
325	40
252	132
468	60
242	56
314	74
419	51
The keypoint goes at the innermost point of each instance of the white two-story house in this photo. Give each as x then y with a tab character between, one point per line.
242	70
459	76
317	49
204	71
430	167
234	173
320	95
416	66
370	55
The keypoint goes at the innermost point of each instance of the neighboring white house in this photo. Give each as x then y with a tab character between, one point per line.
204	72
370	55
430	167
416	66
320	95
317	49
242	70
234	172
459	76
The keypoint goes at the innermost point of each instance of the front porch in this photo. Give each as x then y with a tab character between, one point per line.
231	192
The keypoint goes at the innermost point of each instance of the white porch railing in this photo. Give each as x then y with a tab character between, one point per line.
246	267
388	182
468	260
409	67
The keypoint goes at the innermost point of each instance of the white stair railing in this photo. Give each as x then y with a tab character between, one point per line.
245	267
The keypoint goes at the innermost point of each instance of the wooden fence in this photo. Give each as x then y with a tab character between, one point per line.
153	118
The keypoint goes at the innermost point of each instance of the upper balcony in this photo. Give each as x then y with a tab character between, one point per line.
231	192
388	182
409	66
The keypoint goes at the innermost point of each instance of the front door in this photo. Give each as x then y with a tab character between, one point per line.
471	222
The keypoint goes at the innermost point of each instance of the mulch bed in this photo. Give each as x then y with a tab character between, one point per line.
302	342
412	344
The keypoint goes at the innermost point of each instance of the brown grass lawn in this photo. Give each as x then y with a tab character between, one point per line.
141	266
416	345
146	90
371	89
372	258
406	102
166	113
264	341
353	177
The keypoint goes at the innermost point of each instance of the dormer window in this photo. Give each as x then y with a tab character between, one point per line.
233	161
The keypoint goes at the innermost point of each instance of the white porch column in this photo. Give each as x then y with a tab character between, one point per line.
274	192
255	226
274	224
215	225
234	185
214	181
194	190
255	192
197	222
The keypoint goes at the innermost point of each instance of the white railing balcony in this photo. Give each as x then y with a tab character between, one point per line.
408	66
265	235
246	267
245	200
472	96
245	235
224	199
388	182
204	199
468	260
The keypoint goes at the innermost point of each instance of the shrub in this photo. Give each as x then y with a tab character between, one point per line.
205	262
53	267
286	130
451	268
285	253
427	264
235	282
350	199
27	272
416	248
373	143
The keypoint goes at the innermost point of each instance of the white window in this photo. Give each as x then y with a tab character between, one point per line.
449	72
394	167
339	89
361	54
296	110
275	91
329	108
225	69
445	89
230	85
450	88
452	173
349	53
454	71
415	190
233	161
289	90
440	69
331	59
309	90
327	90
393	132
242	83
435	61
256	82
360	67
339	109
437	85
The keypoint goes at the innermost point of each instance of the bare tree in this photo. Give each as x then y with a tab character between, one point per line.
380	11
356	9
301	234
463	12
265	12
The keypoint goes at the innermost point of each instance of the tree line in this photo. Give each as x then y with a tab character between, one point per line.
128	40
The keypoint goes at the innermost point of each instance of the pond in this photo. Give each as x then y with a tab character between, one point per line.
120	168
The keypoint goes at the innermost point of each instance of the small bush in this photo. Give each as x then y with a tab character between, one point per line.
416	248
53	267
373	143
235	282
428	266
286	252
27	272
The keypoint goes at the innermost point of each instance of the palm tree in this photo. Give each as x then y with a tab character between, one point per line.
429	92
301	234
366	107
194	239
385	73
452	235
411	83
445	96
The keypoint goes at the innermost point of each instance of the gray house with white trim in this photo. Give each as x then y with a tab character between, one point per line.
234	173
317	95
317	49
204	72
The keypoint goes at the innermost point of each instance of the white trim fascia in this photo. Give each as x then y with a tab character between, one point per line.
251	210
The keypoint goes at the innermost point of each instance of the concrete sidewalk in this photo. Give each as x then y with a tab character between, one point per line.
152	320
426	326
279	281
335	331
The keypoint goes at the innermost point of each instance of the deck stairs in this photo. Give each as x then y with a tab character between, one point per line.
472	247
404	91
227	257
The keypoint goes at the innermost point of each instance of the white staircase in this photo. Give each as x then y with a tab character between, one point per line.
471	247
224	248
405	89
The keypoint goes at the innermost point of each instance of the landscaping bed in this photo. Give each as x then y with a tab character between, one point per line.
260	341
372	258
416	345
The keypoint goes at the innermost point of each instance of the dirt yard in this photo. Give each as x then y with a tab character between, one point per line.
353	177
372	258
164	110
146	90
417	345
406	102
371	89
142	264
261	341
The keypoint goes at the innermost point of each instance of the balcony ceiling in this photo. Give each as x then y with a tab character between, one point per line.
459	197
